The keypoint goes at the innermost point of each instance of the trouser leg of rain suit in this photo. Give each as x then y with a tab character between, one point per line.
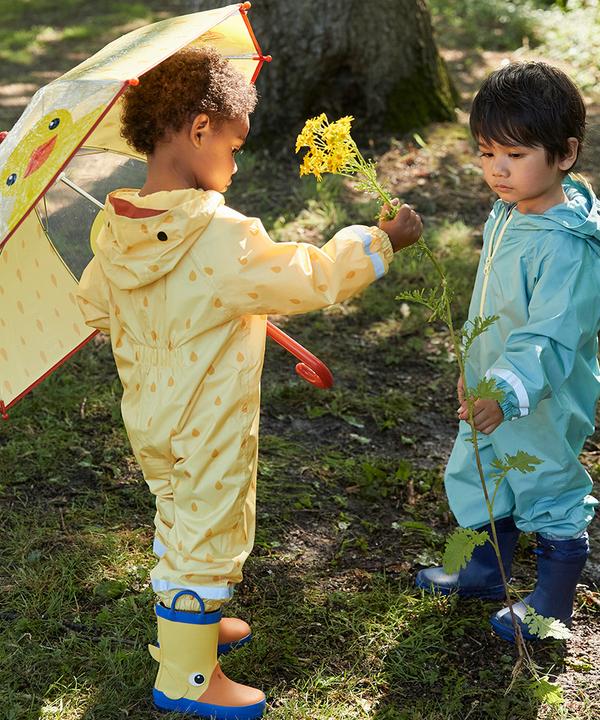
559	567
481	577
189	678
554	499
234	633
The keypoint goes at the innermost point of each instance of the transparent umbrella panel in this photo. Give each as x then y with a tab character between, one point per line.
68	210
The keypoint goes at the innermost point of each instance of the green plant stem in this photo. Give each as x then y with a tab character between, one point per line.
456	345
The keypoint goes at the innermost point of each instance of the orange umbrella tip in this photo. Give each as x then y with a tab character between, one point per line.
3	134
245	6
133	82
267	58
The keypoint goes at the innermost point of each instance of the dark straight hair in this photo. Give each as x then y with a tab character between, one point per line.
531	104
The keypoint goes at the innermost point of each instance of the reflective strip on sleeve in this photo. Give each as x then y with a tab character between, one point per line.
365	235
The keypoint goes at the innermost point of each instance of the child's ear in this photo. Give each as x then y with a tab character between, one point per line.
200	125
568	160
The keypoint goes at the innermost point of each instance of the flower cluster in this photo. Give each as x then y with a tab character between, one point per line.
331	149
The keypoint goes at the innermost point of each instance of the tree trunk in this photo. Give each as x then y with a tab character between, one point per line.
375	60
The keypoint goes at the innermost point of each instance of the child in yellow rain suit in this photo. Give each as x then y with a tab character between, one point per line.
183	284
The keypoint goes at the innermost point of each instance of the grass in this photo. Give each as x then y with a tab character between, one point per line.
351	499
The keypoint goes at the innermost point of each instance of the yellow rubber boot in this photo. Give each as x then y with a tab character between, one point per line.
189	678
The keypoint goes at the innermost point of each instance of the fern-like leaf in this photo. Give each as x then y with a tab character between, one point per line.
460	546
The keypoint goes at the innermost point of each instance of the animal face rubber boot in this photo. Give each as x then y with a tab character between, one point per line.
189	678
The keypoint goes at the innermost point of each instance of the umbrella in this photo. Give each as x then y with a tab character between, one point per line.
65	152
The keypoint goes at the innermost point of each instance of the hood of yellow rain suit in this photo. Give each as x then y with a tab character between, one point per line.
131	253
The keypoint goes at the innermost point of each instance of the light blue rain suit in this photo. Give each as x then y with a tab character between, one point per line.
541	275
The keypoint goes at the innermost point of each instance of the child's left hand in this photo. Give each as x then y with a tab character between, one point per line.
487	415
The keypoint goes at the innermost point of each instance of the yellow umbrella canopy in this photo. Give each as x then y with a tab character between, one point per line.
58	162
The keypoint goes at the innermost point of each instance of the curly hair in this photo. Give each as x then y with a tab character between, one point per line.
190	82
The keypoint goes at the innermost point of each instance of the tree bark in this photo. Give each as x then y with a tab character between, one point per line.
375	60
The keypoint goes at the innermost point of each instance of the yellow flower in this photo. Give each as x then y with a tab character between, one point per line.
330	146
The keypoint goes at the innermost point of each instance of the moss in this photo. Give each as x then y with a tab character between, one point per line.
412	103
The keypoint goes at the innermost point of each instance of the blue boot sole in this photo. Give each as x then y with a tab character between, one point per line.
236	645
207	710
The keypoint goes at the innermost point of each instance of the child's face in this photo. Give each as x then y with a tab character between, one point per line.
522	175
213	161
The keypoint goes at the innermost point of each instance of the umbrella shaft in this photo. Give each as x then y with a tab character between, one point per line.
63	178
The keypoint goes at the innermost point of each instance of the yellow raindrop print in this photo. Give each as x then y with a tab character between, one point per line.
196	432
322	288
208	270
39	325
253	295
154	268
153	387
218	485
214	454
350	275
295	301
218	303
208	533
276	269
171	381
194	507
218	400
240	357
193	357
193	276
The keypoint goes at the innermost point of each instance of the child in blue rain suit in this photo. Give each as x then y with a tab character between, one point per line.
540	273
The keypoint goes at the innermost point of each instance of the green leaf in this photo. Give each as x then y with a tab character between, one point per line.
474	328
522	461
546	691
545	627
487	390
460	546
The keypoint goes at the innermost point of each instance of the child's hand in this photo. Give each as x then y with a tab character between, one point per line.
487	414
405	229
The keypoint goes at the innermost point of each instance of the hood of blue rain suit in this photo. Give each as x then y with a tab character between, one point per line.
144	238
579	214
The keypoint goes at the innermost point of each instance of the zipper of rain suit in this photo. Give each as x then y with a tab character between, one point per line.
492	250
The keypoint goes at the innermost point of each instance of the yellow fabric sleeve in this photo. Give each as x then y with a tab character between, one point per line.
92	296
259	276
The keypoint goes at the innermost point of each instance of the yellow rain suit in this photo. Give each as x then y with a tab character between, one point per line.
183	284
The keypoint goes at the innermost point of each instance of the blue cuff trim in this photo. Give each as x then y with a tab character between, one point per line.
206	592
158	548
365	235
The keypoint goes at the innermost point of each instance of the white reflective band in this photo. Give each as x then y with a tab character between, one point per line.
206	593
158	548
516	385
366	238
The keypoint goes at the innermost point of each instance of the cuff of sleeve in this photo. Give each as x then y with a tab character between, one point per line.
380	243
510	403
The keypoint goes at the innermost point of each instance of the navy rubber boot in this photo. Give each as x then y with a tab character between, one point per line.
481	577
559	567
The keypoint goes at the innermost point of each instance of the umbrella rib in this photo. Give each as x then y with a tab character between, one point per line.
63	178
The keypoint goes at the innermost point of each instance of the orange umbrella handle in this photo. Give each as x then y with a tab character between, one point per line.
310	368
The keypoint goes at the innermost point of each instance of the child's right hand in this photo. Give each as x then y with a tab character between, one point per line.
404	230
